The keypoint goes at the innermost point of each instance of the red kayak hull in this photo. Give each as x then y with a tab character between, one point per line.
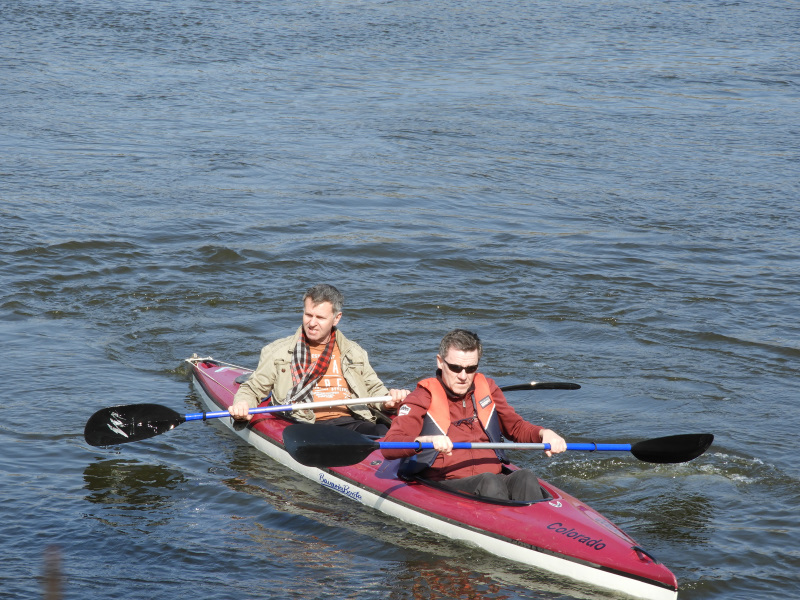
561	535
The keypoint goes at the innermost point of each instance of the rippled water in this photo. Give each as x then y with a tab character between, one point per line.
606	192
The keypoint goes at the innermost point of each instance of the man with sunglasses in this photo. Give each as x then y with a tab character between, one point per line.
462	405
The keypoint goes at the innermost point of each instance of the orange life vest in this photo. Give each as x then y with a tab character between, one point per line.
439	410
437	421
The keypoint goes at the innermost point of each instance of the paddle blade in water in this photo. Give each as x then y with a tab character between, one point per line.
673	448
326	445
129	423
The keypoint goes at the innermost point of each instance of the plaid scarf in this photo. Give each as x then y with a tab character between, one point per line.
304	374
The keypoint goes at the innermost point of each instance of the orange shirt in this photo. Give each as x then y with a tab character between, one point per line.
331	386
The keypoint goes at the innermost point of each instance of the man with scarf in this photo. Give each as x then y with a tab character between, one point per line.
318	363
461	405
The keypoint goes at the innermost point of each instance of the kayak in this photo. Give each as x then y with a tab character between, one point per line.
560	534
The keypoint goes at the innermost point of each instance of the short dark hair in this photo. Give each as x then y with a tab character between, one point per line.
460	339
323	292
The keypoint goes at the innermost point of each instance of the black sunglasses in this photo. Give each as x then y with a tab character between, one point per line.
459	368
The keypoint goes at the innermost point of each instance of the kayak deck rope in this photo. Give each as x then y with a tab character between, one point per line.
194	359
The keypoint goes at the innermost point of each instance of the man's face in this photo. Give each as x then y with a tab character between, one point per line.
458	382
319	321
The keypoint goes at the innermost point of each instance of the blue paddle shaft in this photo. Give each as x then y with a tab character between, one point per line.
507	446
204	416
288	407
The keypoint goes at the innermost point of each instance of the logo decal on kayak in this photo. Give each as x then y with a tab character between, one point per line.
569	532
341	488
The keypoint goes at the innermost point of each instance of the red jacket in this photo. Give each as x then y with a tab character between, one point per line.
461	463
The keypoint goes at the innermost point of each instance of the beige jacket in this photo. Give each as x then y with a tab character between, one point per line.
274	374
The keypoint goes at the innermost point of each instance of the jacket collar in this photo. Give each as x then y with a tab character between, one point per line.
341	341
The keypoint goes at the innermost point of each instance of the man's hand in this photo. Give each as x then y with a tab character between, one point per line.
397	399
557	443
240	411
441	443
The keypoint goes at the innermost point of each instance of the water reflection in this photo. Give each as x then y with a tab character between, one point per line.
426	580
443	580
52	582
130	485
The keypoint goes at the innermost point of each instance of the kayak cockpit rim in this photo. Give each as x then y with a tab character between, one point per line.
546	496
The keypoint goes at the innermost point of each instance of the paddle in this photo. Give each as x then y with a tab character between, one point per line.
541	385
321	446
136	422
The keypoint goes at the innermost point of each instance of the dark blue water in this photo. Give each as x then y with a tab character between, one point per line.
606	192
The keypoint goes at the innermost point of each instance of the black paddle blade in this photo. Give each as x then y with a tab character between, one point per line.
129	423
673	448
326	445
541	385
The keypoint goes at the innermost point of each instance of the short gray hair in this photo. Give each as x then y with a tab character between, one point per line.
323	292
460	339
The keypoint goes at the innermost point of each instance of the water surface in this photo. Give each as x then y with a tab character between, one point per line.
605	192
